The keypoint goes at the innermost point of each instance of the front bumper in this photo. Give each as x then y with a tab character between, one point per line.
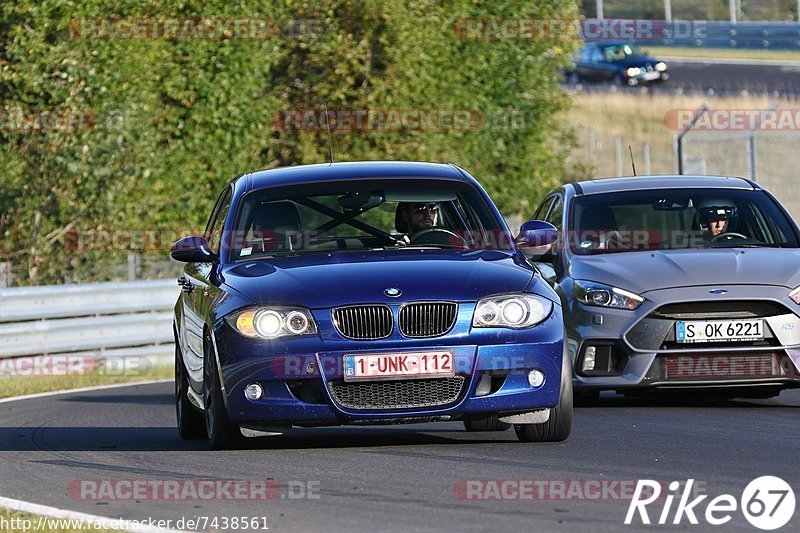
637	349
300	376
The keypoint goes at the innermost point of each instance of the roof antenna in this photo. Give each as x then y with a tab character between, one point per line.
328	122
633	164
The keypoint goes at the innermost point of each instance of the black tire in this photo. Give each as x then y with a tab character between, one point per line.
490	423
573	79
559	425
191	424
618	80
222	434
586	397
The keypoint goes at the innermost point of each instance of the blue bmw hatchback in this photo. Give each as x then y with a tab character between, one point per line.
366	293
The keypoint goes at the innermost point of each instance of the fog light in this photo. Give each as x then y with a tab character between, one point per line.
253	392
535	378
589	358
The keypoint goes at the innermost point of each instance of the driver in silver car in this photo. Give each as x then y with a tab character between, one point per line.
716	217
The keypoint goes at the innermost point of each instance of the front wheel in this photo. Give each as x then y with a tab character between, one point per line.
190	421
490	423
559	425
221	432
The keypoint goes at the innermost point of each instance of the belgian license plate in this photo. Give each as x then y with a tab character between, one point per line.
719	330
399	365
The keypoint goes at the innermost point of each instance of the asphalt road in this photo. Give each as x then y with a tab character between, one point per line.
757	79
402	477
694	77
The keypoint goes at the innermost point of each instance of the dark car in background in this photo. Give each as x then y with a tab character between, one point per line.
620	63
676	282
311	301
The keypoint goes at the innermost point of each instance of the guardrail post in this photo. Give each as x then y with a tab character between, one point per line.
5	275
134	267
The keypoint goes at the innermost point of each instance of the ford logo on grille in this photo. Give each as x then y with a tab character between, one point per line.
393	292
718	291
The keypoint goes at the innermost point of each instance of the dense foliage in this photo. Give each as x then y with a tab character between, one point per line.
105	132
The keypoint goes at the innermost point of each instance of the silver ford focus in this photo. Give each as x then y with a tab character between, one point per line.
676	282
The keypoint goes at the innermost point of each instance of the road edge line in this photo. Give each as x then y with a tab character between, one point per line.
65	514
82	389
87	519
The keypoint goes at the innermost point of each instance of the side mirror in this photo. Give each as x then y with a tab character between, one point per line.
192	249
535	238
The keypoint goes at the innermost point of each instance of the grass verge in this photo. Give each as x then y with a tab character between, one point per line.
724	53
18	386
17	522
639	119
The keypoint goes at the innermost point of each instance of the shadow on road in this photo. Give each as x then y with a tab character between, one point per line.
115	439
789	399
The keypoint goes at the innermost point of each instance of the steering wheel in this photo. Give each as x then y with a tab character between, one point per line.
729	235
439	236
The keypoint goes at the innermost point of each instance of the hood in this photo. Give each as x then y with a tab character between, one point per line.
637	61
327	280
641	272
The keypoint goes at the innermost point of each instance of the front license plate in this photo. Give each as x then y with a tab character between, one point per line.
650	76
719	331
721	366
399	365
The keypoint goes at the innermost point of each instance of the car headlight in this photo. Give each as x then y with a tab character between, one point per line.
601	295
633	71
515	311
661	66
273	322
795	295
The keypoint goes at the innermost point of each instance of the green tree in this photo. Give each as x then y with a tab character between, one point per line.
113	135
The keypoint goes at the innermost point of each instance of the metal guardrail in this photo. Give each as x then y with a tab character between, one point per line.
98	320
710	34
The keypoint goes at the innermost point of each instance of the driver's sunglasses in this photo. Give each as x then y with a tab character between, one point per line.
421	208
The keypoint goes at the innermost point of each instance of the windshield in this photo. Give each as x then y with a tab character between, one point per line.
677	219
622	52
364	214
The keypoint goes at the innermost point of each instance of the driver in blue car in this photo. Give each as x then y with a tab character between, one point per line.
419	216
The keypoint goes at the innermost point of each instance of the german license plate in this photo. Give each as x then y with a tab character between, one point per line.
719	330
721	366
399	365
